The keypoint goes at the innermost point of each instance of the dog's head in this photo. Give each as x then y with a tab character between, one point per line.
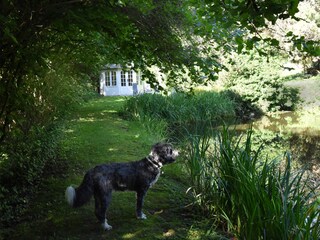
164	153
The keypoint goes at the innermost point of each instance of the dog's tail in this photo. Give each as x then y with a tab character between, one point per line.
82	194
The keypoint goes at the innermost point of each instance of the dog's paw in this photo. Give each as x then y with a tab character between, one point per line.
106	226
142	216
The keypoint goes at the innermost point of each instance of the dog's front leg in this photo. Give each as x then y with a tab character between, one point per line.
140	197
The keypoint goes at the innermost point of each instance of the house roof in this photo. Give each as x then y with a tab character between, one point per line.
117	66
112	66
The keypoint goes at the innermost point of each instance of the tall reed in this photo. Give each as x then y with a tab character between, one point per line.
254	198
180	110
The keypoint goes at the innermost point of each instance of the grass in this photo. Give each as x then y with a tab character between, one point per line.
250	196
96	134
182	111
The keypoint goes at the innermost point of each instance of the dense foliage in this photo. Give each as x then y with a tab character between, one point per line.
258	80
72	40
249	19
22	165
303	33
248	195
182	112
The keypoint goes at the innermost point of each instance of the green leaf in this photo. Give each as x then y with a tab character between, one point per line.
289	34
249	44
274	42
239	40
255	39
10	35
293	8
240	47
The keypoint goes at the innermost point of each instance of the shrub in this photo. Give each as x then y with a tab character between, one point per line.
29	139
257	80
245	110
252	197
22	164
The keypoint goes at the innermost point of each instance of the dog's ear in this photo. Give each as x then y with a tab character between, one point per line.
156	147
154	151
155	156
157	150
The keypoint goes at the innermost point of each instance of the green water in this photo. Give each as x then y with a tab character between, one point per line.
298	133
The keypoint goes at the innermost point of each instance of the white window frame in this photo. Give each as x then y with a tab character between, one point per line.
107	78
130	78
123	79
113	79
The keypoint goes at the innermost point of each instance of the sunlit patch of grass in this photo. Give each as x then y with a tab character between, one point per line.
203	232
308	121
194	234
108	111
90	119
129	235
169	233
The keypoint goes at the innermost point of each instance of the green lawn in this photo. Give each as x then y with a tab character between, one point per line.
93	135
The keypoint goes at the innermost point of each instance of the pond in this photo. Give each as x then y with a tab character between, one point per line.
304	123
296	132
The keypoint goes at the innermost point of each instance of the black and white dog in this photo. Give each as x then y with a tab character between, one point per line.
136	176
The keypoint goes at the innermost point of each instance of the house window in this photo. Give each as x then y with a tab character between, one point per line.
138	80
107	74
113	78
130	78
123	79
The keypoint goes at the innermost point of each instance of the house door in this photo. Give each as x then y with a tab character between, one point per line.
126	83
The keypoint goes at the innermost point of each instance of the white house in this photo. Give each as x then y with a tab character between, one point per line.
118	81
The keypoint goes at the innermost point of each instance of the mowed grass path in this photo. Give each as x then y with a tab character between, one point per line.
96	134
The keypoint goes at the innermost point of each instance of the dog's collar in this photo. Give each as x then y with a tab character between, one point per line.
154	163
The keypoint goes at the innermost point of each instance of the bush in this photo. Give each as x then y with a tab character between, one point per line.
250	197
30	141
22	164
244	109
257	80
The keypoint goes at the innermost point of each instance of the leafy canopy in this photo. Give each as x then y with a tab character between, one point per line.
184	39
